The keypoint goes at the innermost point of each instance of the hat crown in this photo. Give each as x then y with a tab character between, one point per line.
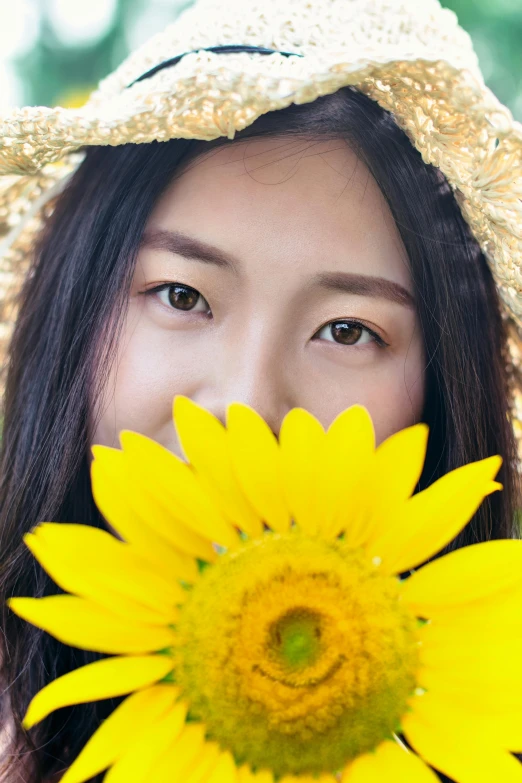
387	29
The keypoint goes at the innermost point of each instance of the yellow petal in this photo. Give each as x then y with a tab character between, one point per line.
483	621
303	445
296	779
500	607
158	516
99	680
205	444
181	757
460	757
306	779
204	765
93	564
257	464
493	668
438	650
497	728
109	487
475	685
172	483
245	775
472	662
118	733
225	770
264	776
432	518
452	579
480	633
395	473
135	766
442	642
390	761
81	623
350	446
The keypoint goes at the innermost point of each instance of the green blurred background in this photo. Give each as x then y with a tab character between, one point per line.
55	51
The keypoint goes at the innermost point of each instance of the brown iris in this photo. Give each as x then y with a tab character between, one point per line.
182	297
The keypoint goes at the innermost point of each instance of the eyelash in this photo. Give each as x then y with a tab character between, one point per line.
375	337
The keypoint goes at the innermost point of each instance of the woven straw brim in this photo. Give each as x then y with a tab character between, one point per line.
454	121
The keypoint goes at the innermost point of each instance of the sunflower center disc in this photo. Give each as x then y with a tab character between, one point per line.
295	638
295	654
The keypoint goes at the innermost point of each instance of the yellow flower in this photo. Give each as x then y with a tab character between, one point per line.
252	608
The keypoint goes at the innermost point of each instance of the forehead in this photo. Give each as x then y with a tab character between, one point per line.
312	202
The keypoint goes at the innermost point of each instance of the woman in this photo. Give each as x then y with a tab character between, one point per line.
312	260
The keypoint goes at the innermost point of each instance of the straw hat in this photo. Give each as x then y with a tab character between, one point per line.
220	66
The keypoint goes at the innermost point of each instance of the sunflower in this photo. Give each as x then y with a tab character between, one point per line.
260	610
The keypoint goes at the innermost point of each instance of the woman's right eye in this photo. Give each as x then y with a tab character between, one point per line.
180	297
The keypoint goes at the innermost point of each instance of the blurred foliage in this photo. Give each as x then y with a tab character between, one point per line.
54	73
495	27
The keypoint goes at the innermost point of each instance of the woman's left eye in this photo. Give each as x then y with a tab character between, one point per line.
348	333
180	297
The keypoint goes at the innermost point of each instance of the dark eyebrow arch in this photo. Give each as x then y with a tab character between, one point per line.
364	285
186	246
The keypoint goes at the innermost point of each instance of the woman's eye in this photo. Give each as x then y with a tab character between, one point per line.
348	333
181	297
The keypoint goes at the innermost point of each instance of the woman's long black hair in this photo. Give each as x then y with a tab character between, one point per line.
67	331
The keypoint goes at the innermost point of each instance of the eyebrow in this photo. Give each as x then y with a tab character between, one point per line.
189	247
181	244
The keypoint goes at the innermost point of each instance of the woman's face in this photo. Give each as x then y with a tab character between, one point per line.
271	273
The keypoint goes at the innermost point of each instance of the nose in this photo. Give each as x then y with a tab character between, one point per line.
255	375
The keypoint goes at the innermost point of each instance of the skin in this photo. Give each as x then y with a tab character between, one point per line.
262	332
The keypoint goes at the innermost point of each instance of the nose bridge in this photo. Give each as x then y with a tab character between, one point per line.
250	368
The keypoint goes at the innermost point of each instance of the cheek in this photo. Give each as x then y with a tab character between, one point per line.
394	407
396	397
151	366
393	391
